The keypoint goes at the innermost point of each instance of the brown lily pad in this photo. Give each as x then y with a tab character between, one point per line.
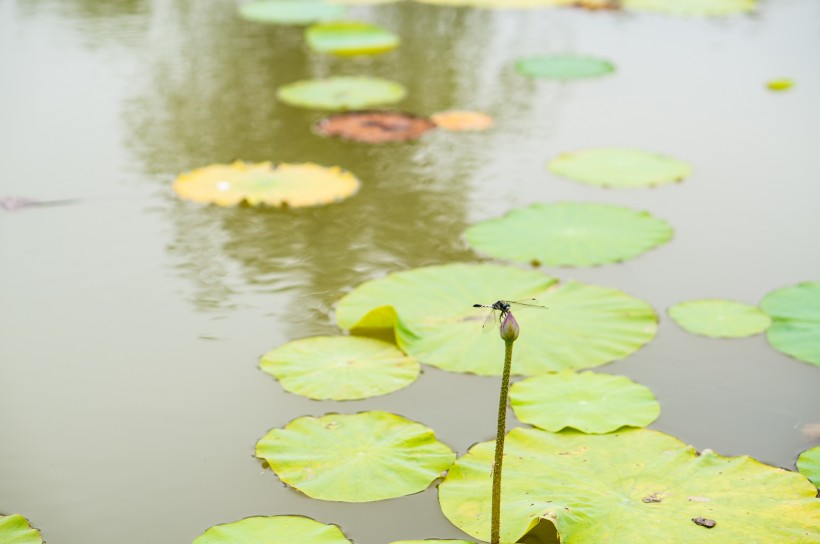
374	127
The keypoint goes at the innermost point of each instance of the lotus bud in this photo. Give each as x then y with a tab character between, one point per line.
509	328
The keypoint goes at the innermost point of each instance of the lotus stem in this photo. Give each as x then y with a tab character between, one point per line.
495	521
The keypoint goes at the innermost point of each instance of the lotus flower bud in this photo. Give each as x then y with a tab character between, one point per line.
509	328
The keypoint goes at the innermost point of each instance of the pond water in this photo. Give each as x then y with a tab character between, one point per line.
132	322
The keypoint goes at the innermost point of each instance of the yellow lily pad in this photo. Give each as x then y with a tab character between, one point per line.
15	529
462	120
283	185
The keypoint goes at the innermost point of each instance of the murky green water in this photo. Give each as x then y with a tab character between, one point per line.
132	322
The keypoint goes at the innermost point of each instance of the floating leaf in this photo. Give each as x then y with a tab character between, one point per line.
431	311
15	529
632	486
459	120
290	12
795	313
374	126
619	168
707	8
589	402
355	458
569	234
719	318
273	530
292	185
499	4
341	93
563	67
808	463
340	367
350	38
780	84
598	5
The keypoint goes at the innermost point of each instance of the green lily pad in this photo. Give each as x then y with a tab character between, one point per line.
589	402
808	463
273	530
795	313
15	529
629	487
719	318
368	456
341	93
563	67
340	367
707	8
569	234
430	310
619	168
350	38
290	12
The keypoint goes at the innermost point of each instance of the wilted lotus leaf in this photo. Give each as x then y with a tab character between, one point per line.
499	4
564	67
374	127
15	529
569	234
719	318
808	463
619	168
273	530
589	402
350	38
340	367
341	93
368	456
457	120
290	12
293	185
430	310
706	8
633	486
795	313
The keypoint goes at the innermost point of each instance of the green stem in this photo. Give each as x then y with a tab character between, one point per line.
495	527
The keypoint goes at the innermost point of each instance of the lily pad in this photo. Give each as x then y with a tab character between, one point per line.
374	127
368	456
808	463
589	402
340	367
290	12
795	313
569	234
719	318
461	120
285	185
707	8
15	529
499	4
341	93
430	310
633	486
620	168
563	67
273	530
350	38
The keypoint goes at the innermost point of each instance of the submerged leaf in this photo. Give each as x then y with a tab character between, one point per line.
290	12
368	456
563	67
619	168
795	313
431	312
350	38
589	402
273	530
569	234
460	120
374	126
340	367
15	529
291	185
708	8
719	318
808	463
633	486
341	93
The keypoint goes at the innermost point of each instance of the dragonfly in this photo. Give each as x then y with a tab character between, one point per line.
501	308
